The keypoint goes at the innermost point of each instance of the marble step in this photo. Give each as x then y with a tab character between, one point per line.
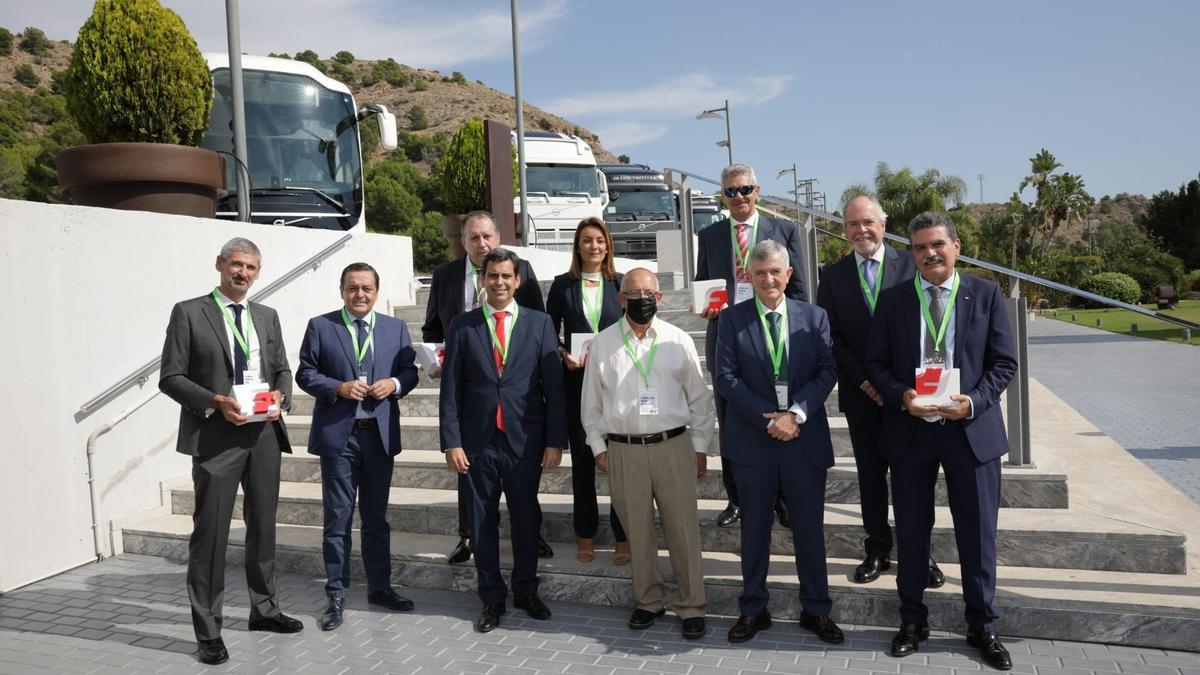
421	433
1023	488
1143	610
423	402
1054	538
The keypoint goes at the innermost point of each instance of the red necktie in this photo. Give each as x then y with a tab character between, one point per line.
743	246
496	349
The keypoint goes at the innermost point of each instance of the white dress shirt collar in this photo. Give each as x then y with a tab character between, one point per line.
877	256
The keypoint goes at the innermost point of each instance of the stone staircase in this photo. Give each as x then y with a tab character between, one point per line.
1066	572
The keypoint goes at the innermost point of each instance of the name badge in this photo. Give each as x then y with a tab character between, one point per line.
743	292
781	397
647	401
250	376
362	373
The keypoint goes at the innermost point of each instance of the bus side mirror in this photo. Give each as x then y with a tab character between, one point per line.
387	129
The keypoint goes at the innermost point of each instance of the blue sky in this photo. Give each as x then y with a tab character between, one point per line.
1110	88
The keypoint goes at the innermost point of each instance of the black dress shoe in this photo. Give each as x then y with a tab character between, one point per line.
642	619
694	628
461	553
936	578
533	606
280	623
824	627
748	626
489	618
729	516
784	519
871	568
988	643
390	599
332	618
544	550
212	652
908	639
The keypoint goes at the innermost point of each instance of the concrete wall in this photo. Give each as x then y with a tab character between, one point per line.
89	292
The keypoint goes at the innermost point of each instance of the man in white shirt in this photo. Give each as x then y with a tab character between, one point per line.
648	417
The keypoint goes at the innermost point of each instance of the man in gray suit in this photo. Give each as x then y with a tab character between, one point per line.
214	342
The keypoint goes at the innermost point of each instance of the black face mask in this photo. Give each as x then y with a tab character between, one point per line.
641	310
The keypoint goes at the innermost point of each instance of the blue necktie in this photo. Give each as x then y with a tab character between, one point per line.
367	407
239	356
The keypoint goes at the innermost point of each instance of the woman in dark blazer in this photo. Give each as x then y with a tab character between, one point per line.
584	300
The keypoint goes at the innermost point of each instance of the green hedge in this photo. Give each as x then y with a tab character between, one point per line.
1113	285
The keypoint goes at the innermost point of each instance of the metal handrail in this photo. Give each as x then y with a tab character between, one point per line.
1000	269
141	375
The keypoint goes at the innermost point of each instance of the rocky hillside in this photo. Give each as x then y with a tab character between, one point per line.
1122	209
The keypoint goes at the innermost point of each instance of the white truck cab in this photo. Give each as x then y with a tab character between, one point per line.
563	187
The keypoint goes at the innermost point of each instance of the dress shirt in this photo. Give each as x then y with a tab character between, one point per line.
799	413
509	320
611	384
751	235
877	256
948	340
254	363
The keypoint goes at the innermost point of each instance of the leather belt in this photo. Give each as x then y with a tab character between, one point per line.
367	423
648	439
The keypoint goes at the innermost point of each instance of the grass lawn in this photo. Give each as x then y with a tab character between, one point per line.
1119	320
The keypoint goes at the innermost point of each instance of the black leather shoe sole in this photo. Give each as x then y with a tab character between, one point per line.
460	554
277	624
212	652
641	619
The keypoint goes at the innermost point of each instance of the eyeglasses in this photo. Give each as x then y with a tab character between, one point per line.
731	192
636	295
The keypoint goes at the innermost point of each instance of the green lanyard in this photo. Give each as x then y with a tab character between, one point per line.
592	312
871	293
743	260
242	339
360	352
474	283
495	340
775	350
940	333
643	371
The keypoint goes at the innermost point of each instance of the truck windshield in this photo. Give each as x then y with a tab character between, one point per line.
302	142
562	180
701	220
643	205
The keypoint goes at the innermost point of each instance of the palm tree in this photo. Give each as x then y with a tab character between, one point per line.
1064	199
1042	165
903	194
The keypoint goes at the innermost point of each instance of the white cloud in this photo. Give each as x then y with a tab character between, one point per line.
422	33
678	96
620	135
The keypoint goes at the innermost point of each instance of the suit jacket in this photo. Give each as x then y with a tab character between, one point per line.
197	363
447	290
564	303
327	359
531	389
841	296
715	261
746	380
983	353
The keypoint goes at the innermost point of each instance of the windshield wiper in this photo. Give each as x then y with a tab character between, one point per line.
332	201
653	215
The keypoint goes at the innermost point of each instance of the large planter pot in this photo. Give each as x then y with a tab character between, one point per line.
156	177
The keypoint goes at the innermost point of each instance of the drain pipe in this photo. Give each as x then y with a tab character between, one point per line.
93	493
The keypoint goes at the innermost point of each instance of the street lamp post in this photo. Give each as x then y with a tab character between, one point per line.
714	115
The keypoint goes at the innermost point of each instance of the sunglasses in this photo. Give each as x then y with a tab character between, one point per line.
731	192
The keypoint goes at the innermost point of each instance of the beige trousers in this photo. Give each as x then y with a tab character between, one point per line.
638	477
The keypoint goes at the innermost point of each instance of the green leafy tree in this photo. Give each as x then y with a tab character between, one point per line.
41	177
458	78
341	72
1126	249
137	75
1114	285
35	42
6	42
430	248
1058	198
904	194
463	169
417	120
311	58
12	174
344	57
623	159
281	55
1175	218
26	75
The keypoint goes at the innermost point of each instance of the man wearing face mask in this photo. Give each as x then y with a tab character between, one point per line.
723	252
648	417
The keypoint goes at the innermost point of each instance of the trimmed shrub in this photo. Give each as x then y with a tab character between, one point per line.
344	57
25	74
1113	285
463	169
458	78
136	75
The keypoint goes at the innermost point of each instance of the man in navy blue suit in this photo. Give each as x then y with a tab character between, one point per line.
849	291
503	420
357	364
775	369
943	320
723	252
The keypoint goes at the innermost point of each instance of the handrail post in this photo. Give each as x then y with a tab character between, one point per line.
1020	451
686	230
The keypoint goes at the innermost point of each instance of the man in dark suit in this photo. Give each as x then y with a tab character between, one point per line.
944	319
502	421
214	342
457	287
774	369
848	292
357	364
723	253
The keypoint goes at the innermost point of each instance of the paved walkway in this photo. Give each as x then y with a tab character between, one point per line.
1143	393
130	615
